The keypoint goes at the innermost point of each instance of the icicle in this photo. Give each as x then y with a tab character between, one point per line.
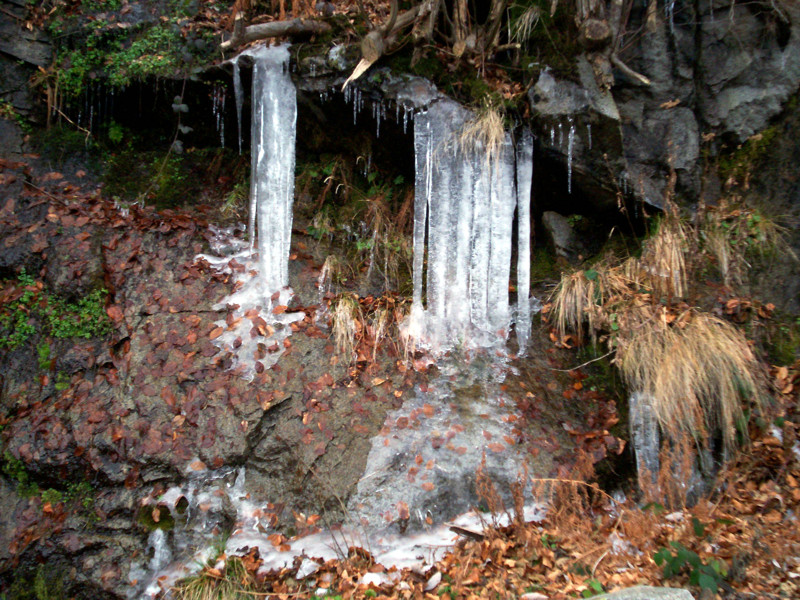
464	213
589	134
239	97
552	136
669	13
272	175
570	148
378	111
524	156
560	136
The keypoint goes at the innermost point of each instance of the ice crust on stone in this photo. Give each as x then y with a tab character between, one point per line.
645	434
464	215
214	498
422	464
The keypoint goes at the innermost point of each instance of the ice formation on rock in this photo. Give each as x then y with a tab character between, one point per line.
262	269
465	202
272	143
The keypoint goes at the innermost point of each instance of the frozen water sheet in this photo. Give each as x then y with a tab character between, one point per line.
465	206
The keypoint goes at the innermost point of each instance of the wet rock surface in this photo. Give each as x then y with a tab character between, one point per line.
115	419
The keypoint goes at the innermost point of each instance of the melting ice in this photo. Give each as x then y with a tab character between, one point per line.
463	222
262	269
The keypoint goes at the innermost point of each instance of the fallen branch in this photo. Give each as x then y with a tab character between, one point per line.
244	35
373	45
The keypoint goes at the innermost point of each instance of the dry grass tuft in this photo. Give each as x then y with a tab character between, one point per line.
485	134
347	321
579	298
733	235
379	323
232	583
698	369
524	25
663	260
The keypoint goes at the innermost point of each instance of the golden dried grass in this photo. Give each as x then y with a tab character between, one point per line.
485	134
699	370
347	320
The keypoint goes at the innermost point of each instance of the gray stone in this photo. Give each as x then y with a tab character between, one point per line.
561	235
23	44
646	592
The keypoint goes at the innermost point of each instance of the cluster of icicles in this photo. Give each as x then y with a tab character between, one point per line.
468	199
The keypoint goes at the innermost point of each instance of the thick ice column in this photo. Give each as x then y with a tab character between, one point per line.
464	217
423	153
273	149
503	198
524	153
481	244
645	436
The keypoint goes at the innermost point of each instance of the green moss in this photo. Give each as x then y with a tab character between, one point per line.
43	583
77	492
121	55
543	265
737	165
36	310
783	341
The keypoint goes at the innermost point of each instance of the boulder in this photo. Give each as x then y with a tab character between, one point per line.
647	592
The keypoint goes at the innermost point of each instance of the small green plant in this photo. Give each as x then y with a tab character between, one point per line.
43	350
8	112
61	319
62	381
549	542
116	133
84	319
679	559
595	588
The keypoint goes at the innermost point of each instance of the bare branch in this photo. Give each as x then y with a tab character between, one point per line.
274	29
628	71
392	19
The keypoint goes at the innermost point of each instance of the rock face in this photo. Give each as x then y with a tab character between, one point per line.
719	71
21	52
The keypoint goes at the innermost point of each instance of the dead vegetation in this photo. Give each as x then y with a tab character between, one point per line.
699	368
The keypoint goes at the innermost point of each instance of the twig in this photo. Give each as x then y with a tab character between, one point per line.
70	121
599	560
45	192
615	60
588	362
